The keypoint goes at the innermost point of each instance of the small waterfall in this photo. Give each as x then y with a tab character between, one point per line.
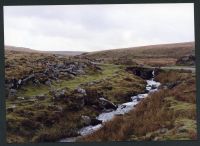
153	73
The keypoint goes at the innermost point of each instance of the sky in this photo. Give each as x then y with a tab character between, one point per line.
97	27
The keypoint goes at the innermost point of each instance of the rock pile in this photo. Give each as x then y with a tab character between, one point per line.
51	72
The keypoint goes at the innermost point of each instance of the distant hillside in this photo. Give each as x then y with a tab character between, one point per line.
23	49
154	51
68	53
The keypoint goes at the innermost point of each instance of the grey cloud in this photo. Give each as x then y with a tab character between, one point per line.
97	27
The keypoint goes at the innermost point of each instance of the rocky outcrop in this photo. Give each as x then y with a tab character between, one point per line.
90	121
52	72
186	60
107	104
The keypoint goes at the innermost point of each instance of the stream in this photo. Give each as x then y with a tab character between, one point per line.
151	86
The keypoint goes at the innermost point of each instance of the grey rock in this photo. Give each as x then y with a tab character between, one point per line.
80	72
40	97
59	94
20	82
71	76
86	120
107	104
182	129
153	87
28	78
81	91
33	99
163	130
20	98
12	93
11	108
55	107
48	82
156	138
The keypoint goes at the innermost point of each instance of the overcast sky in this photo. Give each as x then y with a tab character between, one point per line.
97	27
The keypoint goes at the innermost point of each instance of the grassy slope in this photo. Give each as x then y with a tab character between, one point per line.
154	55
157	51
165	115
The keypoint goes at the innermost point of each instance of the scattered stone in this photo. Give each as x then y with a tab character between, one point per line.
156	138
25	80
107	110
12	93
182	129
81	91
53	71
153	87
40	97
107	104
95	122
123	106
86	120
32	100
163	130
80	72
48	82
71	76
20	98
59	94
171	85
55	108
11	108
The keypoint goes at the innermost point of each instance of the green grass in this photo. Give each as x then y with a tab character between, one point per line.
108	70
180	105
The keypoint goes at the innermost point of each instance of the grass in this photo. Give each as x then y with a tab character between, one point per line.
120	87
179	105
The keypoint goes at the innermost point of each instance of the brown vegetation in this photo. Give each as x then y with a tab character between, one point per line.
156	61
166	53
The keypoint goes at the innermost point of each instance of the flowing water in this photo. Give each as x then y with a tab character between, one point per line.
151	86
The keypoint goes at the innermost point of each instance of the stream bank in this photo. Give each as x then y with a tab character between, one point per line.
152	86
